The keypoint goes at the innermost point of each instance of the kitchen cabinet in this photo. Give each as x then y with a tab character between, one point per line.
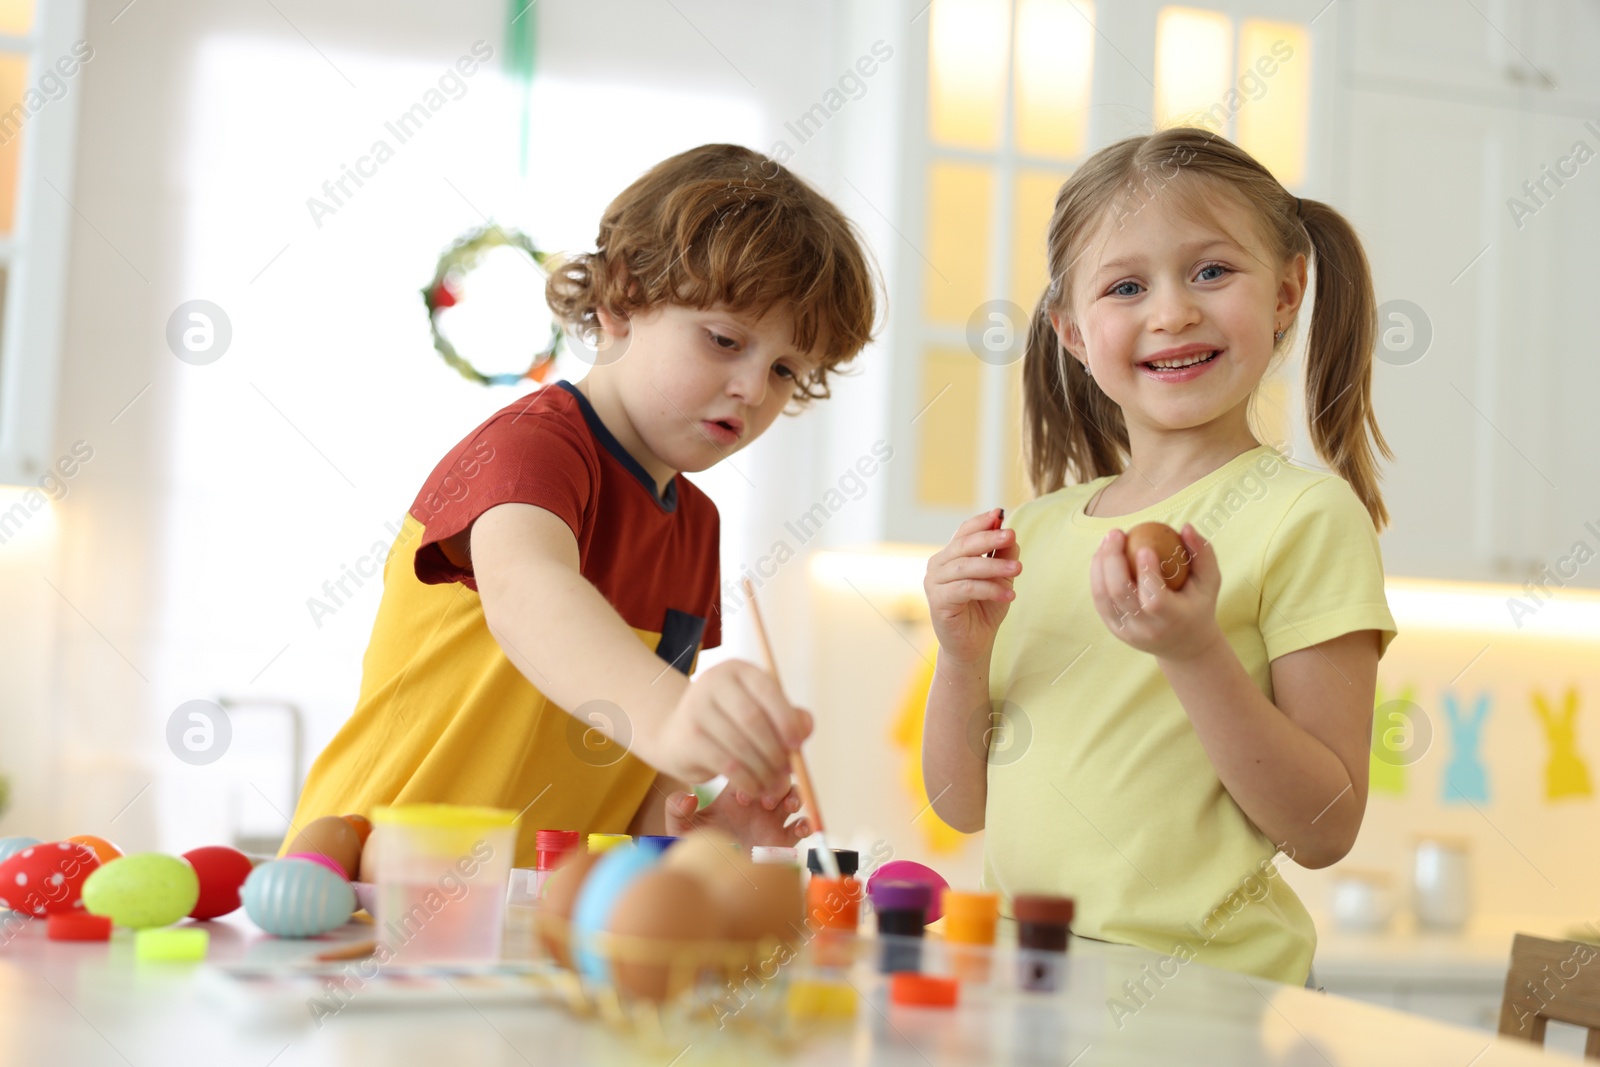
1478	201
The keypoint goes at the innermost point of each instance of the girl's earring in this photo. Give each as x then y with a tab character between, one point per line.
1277	337
1087	372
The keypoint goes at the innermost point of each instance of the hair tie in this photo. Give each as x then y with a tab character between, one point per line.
1298	204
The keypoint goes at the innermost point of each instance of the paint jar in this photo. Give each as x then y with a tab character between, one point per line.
443	870
901	908
659	842
775	854
969	924
848	859
1043	929
599	843
833	909
551	847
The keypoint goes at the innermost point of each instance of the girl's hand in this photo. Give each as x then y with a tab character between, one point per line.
968	594
1139	608
750	821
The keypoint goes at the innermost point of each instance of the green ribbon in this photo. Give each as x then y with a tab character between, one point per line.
521	45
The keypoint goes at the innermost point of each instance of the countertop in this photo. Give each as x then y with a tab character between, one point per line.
88	1004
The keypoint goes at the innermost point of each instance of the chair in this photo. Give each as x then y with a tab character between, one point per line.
1548	980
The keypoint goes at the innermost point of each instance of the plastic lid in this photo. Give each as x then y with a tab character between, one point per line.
443	816
601	842
1054	911
849	861
961	905
774	854
557	840
900	896
908	871
926	990
659	842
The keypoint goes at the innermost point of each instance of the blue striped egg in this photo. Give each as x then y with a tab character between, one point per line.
297	898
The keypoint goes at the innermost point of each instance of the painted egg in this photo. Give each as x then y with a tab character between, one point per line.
222	871
46	879
333	838
560	896
142	890
10	846
360	824
661	923
103	850
295	898
607	881
1172	556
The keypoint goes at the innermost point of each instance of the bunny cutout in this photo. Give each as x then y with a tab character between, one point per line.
1565	775
1387	766
1465	779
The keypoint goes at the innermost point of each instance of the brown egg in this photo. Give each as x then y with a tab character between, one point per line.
555	911
334	838
711	854
768	903
1169	548
369	860
663	923
360	824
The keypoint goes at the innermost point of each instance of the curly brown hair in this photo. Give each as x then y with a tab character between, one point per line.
721	224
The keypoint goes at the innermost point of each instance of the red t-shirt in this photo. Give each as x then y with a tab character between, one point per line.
655	558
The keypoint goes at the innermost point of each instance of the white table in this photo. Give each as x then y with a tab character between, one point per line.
89	1004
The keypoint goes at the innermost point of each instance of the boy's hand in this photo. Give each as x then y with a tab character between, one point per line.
969	593
733	720
749	821
1144	613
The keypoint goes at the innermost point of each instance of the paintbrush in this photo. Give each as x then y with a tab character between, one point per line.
797	761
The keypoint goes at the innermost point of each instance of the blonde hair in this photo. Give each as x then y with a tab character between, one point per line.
721	224
1073	428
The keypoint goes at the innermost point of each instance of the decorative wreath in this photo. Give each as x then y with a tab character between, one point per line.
444	291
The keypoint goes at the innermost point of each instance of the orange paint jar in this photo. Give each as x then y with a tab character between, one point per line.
969	925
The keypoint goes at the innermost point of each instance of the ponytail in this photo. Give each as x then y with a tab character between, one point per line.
1344	328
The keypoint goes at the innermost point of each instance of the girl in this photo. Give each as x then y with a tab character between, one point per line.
1150	750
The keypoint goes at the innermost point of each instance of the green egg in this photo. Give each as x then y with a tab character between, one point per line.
142	890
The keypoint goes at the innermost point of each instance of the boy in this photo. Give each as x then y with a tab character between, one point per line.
557	545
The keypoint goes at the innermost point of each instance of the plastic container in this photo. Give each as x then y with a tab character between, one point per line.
659	842
442	878
902	909
969	925
909	871
833	909
849	861
599	843
1043	931
774	854
551	847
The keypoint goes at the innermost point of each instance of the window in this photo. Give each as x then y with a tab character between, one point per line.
1010	90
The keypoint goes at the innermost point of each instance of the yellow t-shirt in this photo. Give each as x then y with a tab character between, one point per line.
1098	786
443	715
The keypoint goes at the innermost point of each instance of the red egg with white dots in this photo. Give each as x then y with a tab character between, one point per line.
222	871
47	879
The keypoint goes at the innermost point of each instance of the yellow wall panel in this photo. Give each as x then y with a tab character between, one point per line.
1054	63
960	203
967	71
947	429
1275	108
1194	51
